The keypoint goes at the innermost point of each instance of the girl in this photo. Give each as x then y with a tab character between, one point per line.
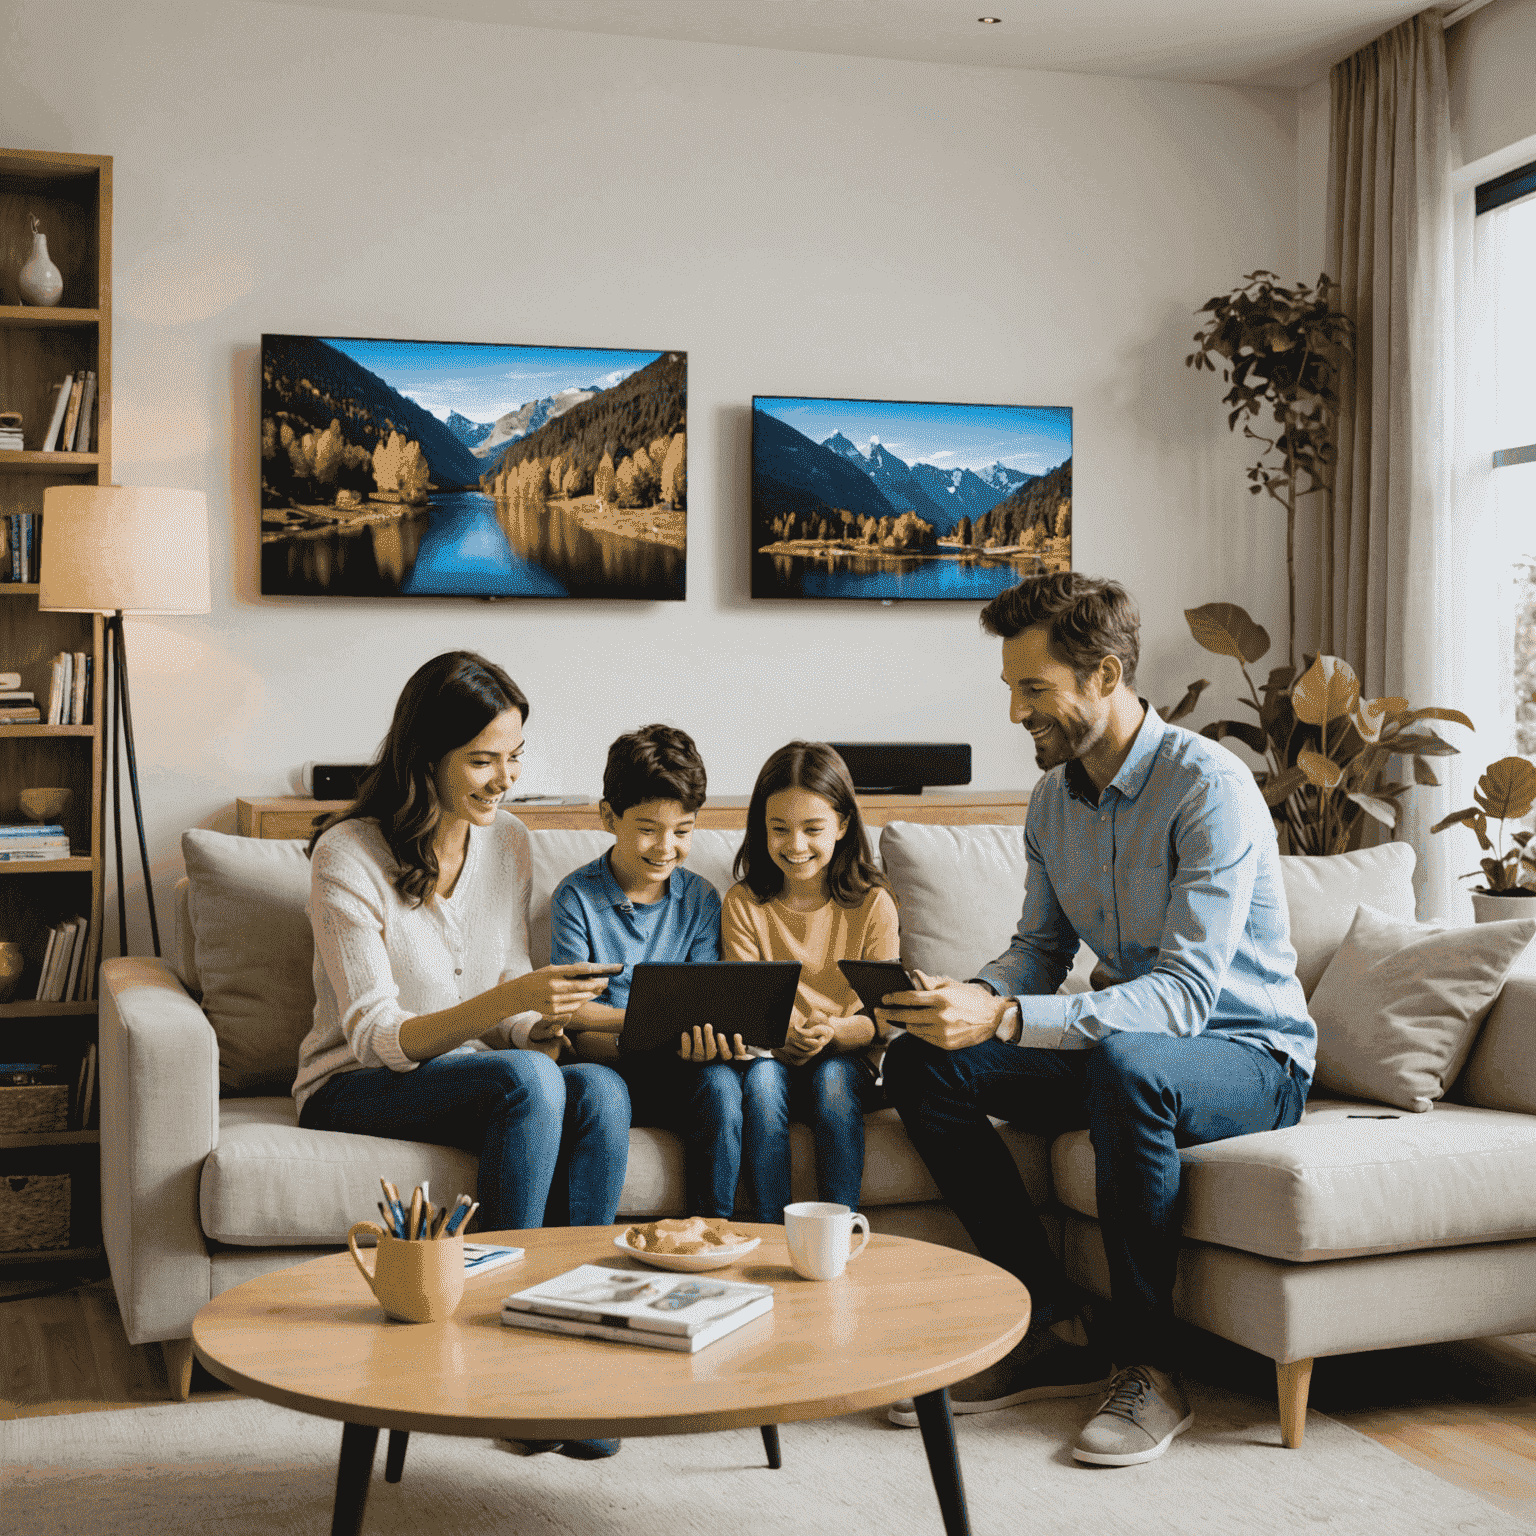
807	891
419	902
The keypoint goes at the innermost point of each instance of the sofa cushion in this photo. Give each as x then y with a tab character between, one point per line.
1400	1003
960	891
556	852
253	954
1337	1186
1323	892
270	1182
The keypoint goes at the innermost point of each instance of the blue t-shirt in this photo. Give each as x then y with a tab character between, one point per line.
590	918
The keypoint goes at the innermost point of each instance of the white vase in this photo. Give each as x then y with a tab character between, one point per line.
40	281
1487	908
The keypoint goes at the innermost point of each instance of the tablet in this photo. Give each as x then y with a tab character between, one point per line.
875	980
750	998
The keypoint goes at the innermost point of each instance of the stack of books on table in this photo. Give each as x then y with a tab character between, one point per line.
19	707
68	963
660	1311
70	689
26	841
10	430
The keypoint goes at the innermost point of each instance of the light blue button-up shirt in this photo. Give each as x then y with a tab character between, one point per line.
1173	880
590	918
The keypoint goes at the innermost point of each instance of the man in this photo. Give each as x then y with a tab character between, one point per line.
1154	846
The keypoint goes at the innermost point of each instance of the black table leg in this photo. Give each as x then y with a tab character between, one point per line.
938	1427
771	1445
394	1458
358	1444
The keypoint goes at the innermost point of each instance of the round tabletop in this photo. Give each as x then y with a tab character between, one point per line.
906	1317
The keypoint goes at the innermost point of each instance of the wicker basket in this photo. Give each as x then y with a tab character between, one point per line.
36	1107
34	1211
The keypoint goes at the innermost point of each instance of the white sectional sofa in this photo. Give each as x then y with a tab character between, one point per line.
1340	1234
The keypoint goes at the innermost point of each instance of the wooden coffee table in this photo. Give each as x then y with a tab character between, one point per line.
905	1320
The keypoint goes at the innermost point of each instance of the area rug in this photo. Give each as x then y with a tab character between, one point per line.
243	1468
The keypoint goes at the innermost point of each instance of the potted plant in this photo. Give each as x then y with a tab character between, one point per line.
1326	750
1507	790
1280	349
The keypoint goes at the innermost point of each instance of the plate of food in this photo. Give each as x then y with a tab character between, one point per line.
688	1245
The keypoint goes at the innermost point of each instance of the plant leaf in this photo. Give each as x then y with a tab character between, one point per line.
1319	770
1508	789
1383	810
1326	690
1370	715
1424	742
1187	703
1432	712
1249	735
1281	786
1227	630
1423	773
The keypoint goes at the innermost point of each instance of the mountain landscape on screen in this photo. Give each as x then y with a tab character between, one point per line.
833	519
405	468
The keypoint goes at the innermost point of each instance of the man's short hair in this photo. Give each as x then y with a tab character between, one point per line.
657	762
1087	618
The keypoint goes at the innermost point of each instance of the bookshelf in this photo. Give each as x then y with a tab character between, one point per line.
71	195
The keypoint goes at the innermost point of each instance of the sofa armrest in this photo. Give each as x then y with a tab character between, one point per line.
159	1121
1501	1071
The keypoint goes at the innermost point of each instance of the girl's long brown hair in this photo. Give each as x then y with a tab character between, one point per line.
812	766
446	703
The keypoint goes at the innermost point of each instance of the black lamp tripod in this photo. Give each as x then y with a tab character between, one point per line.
120	727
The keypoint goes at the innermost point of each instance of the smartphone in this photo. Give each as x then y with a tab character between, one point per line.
875	980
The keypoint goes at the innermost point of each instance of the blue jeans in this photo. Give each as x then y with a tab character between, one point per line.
727	1111
1141	1097
553	1141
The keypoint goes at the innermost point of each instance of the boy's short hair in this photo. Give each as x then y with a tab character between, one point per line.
657	762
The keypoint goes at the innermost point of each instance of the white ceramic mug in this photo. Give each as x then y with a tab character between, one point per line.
818	1233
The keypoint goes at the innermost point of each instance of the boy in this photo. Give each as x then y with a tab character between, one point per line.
637	903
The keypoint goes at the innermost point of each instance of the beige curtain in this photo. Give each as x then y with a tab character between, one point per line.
1384	586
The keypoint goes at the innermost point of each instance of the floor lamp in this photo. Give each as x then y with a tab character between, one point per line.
118	549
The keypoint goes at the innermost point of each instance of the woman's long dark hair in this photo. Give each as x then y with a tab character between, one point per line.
446	703
812	766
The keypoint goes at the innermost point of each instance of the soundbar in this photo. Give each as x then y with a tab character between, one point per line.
904	767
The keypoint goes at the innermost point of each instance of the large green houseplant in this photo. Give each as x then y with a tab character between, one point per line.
1280	350
1327	752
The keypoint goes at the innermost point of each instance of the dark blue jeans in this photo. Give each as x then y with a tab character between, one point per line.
553	1141
1141	1097
723	1111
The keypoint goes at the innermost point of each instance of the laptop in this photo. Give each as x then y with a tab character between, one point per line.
750	998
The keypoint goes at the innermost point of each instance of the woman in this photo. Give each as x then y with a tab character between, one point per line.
419	902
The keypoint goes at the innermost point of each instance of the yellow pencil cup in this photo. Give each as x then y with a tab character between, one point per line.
417	1282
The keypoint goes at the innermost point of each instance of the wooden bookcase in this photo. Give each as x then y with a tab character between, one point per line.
72	198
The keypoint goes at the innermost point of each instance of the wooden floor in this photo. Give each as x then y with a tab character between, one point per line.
1466	1412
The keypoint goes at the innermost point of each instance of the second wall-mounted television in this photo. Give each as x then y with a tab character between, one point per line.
465	469
905	499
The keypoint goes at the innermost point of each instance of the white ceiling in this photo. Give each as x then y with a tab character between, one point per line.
1284	43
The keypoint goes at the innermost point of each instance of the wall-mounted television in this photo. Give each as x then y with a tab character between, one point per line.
906	499
465	469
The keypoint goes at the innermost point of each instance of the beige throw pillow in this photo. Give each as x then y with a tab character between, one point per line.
254	953
1400	1004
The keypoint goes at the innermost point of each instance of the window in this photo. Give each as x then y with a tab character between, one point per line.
1506	210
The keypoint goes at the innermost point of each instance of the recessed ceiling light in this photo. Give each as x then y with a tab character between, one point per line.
989	21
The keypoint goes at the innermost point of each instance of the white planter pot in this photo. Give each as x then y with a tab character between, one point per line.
1500	909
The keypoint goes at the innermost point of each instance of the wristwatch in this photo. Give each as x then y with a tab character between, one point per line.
1008	1026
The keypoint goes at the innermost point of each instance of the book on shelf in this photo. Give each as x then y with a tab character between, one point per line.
11	441
72	413
76	961
17	696
56	689
31	829
29	546
55	961
659	1311
11	681
60	405
82	436
85	1111
21	714
42	974
81	678
24	844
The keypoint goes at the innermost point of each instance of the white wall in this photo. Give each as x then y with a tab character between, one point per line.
799	224
1490	61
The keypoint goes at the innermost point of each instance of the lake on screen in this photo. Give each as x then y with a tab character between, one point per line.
885	577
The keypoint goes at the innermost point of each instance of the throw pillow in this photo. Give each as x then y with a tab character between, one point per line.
1323	890
1400	1004
254	952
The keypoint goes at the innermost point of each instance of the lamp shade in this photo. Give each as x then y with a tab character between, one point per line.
136	548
